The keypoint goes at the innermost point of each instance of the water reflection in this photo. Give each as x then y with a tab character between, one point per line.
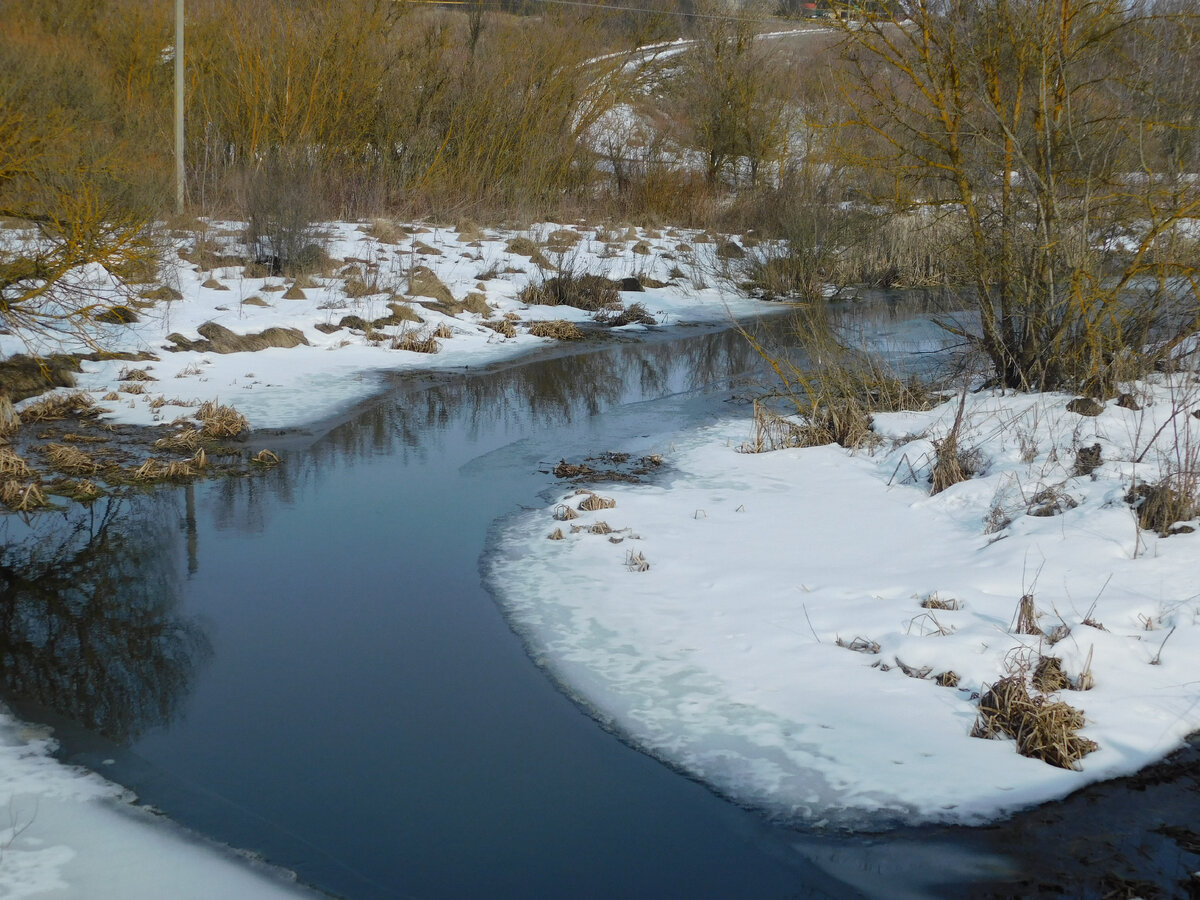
88	626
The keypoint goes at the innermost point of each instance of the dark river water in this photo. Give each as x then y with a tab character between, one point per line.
307	665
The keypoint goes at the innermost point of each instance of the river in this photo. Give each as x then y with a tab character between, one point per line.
306	664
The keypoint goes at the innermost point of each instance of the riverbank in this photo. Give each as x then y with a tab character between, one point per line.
812	633
76	835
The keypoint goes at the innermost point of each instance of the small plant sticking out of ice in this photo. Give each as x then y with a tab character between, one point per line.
265	458
1027	616
933	601
593	502
556	535
1043	729
218	421
859	645
564	513
635	561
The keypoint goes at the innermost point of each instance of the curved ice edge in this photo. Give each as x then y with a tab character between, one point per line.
828	817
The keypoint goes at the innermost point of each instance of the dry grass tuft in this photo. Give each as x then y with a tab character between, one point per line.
59	406
1159	506
69	459
187	439
564	513
135	375
265	458
416	342
600	528
502	327
633	314
1048	675
773	432
933	601
635	561
217	421
200	459
85	490
593	502
21	498
556	535
523	246
1027	616
443	331
948	678
155	470
1043	729
859	645
9	420
12	465
587	292
558	329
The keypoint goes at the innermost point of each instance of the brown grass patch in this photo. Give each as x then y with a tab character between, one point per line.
502	327
21	498
593	502
633	314
1027	616
155	470
135	375
218	421
558	329
1043	729
523	246
933	601
12	465
556	535
59	406
186	439
600	528
416	342
587	292
443	331
1048	675
69	459
1159	506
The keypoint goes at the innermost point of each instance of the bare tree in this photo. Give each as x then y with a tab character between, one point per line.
1030	125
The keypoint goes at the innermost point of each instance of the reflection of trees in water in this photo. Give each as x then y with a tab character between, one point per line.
87	620
410	425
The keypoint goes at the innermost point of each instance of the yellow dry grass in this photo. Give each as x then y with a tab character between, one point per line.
558	329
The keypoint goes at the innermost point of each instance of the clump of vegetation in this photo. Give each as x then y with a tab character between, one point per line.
633	314
60	406
9	420
416	342
1043	729
218	422
21	497
558	329
593	502
502	327
70	459
1161	505
588	292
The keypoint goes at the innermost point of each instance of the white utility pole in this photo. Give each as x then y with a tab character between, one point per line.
179	173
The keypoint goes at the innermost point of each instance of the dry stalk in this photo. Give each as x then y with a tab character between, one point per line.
9	420
1027	616
593	502
564	513
1043	729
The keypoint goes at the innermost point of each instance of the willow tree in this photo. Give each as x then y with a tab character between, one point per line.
1046	134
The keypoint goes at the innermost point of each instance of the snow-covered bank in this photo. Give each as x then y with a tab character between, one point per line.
723	657
683	281
71	834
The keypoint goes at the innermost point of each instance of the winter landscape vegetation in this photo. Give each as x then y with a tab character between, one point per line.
568	449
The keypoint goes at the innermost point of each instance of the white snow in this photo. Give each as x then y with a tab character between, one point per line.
722	659
277	388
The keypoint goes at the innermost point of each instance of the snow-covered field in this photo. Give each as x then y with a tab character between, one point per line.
723	656
278	387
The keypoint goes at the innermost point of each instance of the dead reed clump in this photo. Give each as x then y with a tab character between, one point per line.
217	421
1048	675
1027	616
135	375
69	459
635	561
443	331
59	406
416	342
933	601
593	502
9	420
587	292
12	465
186	439
200	460
1159	506
600	528
558	329
155	470
948	678
633	314
773	432
564	513
133	387
22	498
265	458
85	490
1043	729
502	327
